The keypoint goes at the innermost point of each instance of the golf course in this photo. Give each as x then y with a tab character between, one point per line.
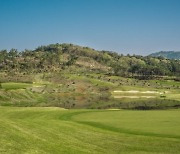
65	98
90	77
57	130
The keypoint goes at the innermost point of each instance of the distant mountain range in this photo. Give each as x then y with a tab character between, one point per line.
167	54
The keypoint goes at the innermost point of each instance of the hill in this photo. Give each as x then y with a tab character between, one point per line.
167	54
71	76
59	57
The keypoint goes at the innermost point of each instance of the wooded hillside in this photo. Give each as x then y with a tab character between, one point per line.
57	57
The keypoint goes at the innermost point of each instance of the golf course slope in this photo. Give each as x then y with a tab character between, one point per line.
56	130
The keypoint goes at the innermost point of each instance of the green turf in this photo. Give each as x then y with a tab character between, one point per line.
55	130
13	85
88	90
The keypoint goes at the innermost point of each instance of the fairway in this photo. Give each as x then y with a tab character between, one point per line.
56	130
90	77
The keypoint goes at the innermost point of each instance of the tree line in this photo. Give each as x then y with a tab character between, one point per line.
56	57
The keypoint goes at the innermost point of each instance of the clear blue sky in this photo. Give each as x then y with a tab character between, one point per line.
125	26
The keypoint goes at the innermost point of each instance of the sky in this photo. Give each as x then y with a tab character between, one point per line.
125	26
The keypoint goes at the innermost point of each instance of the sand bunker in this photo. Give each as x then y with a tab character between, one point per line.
134	96
150	92
130	91
136	91
148	96
139	94
126	96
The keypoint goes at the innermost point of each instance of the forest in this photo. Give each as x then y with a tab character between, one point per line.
58	57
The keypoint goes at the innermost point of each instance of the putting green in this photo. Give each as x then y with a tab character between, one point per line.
55	130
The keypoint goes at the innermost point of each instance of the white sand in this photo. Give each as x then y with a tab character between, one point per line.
134	96
136	91
130	91
126	97
150	92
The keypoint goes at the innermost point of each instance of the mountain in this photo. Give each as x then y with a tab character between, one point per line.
167	54
74	58
72	76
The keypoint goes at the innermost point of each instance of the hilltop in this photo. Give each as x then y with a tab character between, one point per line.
71	76
167	54
74	58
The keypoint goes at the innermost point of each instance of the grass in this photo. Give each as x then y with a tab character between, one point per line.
88	90
166	82
55	130
13	85
91	80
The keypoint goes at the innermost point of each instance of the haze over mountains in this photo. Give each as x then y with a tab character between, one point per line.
167	54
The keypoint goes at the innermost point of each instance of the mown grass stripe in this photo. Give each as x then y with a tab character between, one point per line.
69	117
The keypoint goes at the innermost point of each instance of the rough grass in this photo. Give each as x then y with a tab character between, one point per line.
13	85
88	90
54	130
